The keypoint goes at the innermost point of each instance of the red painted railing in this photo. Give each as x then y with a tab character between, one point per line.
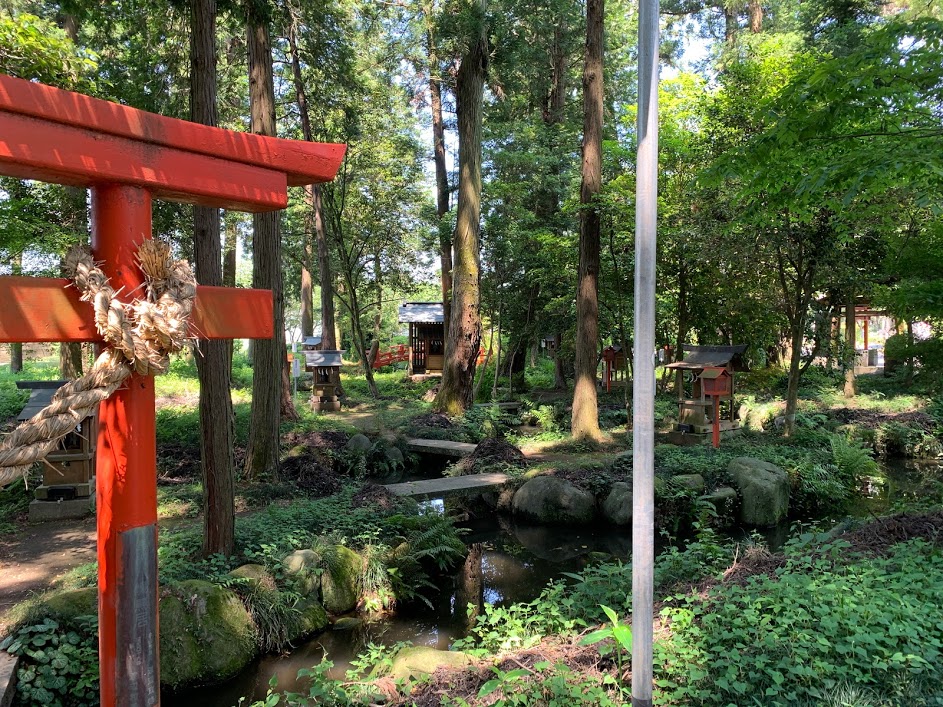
392	355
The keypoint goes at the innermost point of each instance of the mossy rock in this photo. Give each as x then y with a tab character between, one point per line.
419	661
206	634
305	565
695	482
359	443
341	579
764	488
256	575
617	508
66	606
312	619
548	499
724	500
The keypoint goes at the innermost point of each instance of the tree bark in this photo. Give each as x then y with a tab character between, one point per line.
756	16
850	356
730	24
268	354
441	180
213	359
229	266
70	354
464	339
585	419
559	375
16	349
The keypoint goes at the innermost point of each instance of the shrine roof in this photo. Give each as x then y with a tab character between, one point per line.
302	162
324	358
698	357
421	313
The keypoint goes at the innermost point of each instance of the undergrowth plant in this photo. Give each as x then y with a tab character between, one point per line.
825	620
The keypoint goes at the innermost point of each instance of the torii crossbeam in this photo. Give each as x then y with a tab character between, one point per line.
127	156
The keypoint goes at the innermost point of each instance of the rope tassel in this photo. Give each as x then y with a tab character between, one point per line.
142	335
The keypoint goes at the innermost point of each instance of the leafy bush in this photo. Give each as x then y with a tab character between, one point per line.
60	663
822	622
893	439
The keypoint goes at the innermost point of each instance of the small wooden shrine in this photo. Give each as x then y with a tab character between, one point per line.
426	336
326	387
614	359
68	472
705	385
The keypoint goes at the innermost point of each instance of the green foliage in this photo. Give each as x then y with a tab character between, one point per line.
60	666
821	623
566	606
546	683
14	504
35	49
894	439
615	629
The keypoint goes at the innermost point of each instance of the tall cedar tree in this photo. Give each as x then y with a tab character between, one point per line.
585	421
70	354
314	217
268	354
441	176
212	360
461	349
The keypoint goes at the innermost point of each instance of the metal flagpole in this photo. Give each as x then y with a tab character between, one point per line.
643	388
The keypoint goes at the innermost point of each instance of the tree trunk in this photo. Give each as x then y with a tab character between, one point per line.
70	354
585	420
16	350
307	298
756	16
850	356
792	388
268	354
464	339
559	375
329	336
909	379
212	360
229	266
730	24
314	218
441	180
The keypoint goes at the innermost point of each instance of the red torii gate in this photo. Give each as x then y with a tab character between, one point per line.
127	156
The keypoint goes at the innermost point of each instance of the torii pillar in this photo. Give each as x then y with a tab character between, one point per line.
127	156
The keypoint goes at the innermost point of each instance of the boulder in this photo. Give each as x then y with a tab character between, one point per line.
206	634
764	488
67	605
359	443
312	619
548	499
305	566
256	575
724	500
341	579
347	623
393	455
420	661
617	508
695	482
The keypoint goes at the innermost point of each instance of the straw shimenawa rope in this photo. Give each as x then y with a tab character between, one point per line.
142	335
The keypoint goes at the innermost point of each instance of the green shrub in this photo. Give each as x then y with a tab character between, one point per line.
60	663
820	623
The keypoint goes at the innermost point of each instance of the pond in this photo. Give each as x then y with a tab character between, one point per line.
517	561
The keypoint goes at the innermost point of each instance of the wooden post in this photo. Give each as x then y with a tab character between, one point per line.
715	437
127	480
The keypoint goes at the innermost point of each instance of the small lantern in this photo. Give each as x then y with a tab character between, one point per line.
715	381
